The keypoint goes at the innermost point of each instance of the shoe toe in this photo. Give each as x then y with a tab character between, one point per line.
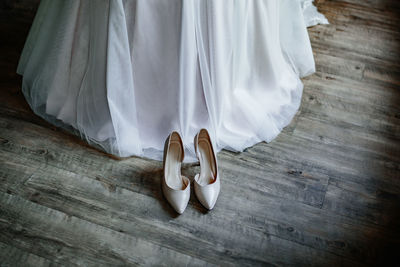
178	199
209	203
179	207
179	202
208	194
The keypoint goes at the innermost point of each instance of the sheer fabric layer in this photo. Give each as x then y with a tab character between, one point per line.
124	74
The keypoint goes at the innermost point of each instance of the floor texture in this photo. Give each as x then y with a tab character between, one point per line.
325	192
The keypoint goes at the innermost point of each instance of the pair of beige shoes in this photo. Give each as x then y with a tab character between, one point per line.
176	187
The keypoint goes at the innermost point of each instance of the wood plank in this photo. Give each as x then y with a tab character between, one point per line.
68	239
12	256
80	197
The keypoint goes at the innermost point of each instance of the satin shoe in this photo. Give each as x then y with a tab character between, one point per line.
207	182
175	186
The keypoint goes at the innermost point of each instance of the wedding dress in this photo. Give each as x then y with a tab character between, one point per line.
123	74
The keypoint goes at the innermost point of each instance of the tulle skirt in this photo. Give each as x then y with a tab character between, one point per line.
124	74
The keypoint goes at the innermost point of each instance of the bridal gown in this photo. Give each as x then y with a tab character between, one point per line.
123	74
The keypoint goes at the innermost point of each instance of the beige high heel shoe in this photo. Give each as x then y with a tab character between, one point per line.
175	186
207	182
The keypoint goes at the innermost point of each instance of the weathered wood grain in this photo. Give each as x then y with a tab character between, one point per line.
233	210
325	192
251	229
12	256
69	239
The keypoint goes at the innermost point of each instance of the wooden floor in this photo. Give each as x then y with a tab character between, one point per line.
325	192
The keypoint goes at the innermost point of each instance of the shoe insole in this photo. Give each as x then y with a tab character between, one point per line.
207	169
173	175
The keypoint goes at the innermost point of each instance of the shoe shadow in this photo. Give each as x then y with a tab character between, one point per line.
155	176
152	179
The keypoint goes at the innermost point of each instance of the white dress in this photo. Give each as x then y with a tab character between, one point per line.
124	73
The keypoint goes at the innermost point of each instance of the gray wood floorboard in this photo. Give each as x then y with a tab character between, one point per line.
325	192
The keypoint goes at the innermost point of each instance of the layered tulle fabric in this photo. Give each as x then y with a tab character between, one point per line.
124	74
